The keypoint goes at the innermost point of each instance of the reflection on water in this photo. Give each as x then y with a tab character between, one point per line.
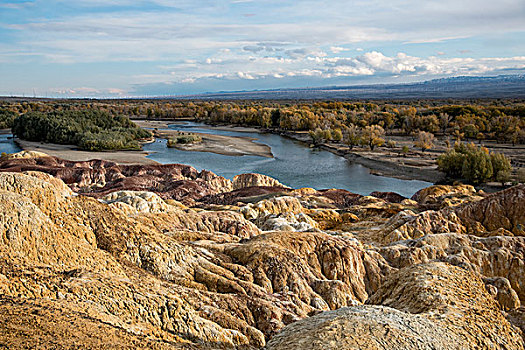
7	144
294	164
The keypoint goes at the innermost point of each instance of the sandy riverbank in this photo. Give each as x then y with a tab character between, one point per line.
72	153
219	144
226	145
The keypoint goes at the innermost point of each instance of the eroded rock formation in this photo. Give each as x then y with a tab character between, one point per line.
168	257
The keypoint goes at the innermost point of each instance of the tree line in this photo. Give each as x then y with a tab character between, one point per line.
499	120
91	130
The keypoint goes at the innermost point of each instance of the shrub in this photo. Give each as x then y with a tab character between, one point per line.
500	165
503	176
327	135
521	175
183	139
425	140
337	135
474	164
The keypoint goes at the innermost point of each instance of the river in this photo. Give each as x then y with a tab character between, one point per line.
7	144
293	164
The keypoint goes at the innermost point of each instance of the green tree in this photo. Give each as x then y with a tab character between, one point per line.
501	167
477	167
503	176
6	118
474	164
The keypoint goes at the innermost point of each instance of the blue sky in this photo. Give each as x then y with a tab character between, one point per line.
120	48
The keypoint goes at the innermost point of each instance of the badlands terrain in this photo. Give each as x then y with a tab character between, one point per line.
99	255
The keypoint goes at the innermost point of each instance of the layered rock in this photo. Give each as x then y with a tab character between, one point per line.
442	196
502	210
232	268
98	177
429	306
364	328
453	298
237	292
137	201
255	180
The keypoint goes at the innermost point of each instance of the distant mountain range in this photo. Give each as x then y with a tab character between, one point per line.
502	86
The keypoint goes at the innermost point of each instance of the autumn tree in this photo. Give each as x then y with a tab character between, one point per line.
425	140
327	135
337	135
316	135
373	136
352	136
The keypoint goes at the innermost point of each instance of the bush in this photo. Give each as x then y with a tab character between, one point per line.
108	140
337	135
183	139
521	175
474	164
425	140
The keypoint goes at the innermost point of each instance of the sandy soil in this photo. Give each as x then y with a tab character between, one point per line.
71	152
226	145
152	124
220	144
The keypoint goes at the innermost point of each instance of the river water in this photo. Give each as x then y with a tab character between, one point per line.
7	145
294	164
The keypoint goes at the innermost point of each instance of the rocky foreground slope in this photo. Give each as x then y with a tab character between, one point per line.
100	255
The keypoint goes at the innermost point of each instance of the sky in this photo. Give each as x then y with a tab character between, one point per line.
125	48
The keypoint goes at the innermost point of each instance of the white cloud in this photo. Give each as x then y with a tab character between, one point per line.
189	41
337	49
88	92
